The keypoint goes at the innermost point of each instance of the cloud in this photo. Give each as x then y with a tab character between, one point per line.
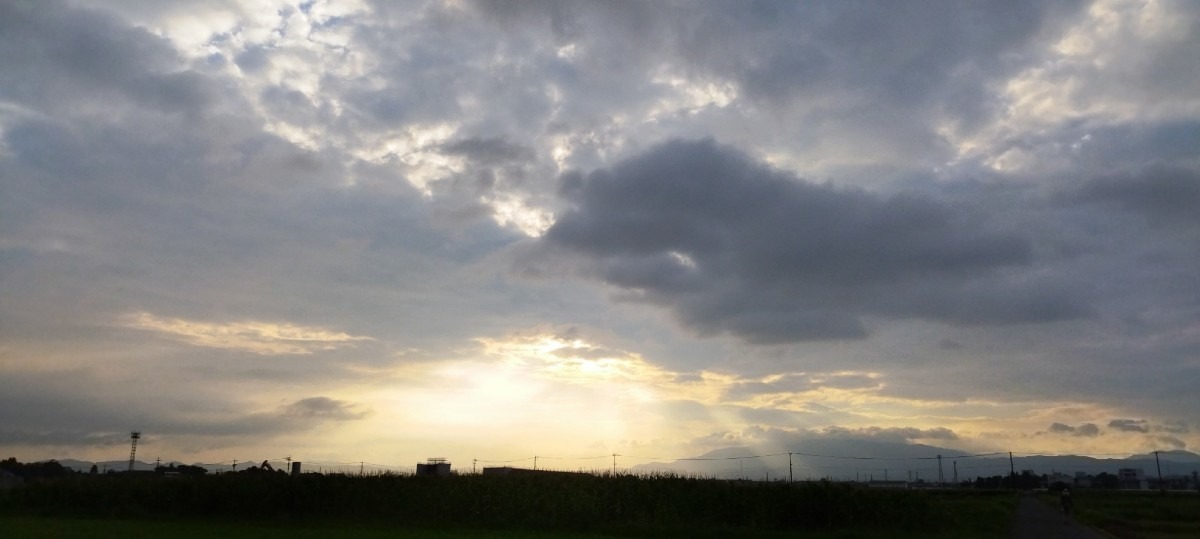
94	58
1129	425
63	438
267	338
487	151
1174	427
890	434
791	383
1061	428
323	408
86	422
730	245
1171	442
1087	430
1162	194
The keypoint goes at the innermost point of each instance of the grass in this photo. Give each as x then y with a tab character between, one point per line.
1137	514
534	506
37	527
32	527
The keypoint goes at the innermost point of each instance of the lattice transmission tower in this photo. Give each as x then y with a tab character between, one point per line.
133	438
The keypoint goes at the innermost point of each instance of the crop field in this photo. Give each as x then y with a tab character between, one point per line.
1137	514
314	505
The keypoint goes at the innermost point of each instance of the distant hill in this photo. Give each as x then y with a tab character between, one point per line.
1177	455
817	458
118	465
850	459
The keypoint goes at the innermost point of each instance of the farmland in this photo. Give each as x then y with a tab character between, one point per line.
469	506
1137	514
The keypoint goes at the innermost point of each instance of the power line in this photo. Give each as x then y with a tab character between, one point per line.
341	467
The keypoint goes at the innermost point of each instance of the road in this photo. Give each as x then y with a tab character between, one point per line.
1036	520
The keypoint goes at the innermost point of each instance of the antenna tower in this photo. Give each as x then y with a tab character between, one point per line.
133	438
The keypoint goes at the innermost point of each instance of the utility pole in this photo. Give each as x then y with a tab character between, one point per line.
1161	487
473	463
360	467
235	465
790	479
956	472
535	462
614	464
1012	469
941	478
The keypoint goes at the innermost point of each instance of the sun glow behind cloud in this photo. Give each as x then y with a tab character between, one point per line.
564	395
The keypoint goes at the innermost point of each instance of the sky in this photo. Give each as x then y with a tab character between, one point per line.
376	231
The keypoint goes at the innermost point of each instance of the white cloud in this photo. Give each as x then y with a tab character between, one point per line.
267	338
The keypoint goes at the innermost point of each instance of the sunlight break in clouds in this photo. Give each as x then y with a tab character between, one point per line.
265	338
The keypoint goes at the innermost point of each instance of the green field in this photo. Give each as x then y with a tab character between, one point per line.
36	527
80	528
1137	514
474	506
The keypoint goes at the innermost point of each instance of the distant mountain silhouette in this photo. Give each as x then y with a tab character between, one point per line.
851	459
118	465
1177	455
818	458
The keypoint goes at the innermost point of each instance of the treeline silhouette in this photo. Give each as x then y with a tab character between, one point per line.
35	470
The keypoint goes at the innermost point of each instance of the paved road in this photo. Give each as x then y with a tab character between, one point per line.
1036	520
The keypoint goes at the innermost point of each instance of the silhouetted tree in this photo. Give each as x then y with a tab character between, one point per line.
34	470
1106	480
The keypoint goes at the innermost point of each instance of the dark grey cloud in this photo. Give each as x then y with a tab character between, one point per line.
1061	428
488	151
323	408
1129	425
68	411
55	55
894	54
1088	430
1166	195
253	59
731	245
63	438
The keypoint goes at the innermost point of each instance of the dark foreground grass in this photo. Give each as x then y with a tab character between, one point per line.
467	506
1140	514
28	527
37	527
